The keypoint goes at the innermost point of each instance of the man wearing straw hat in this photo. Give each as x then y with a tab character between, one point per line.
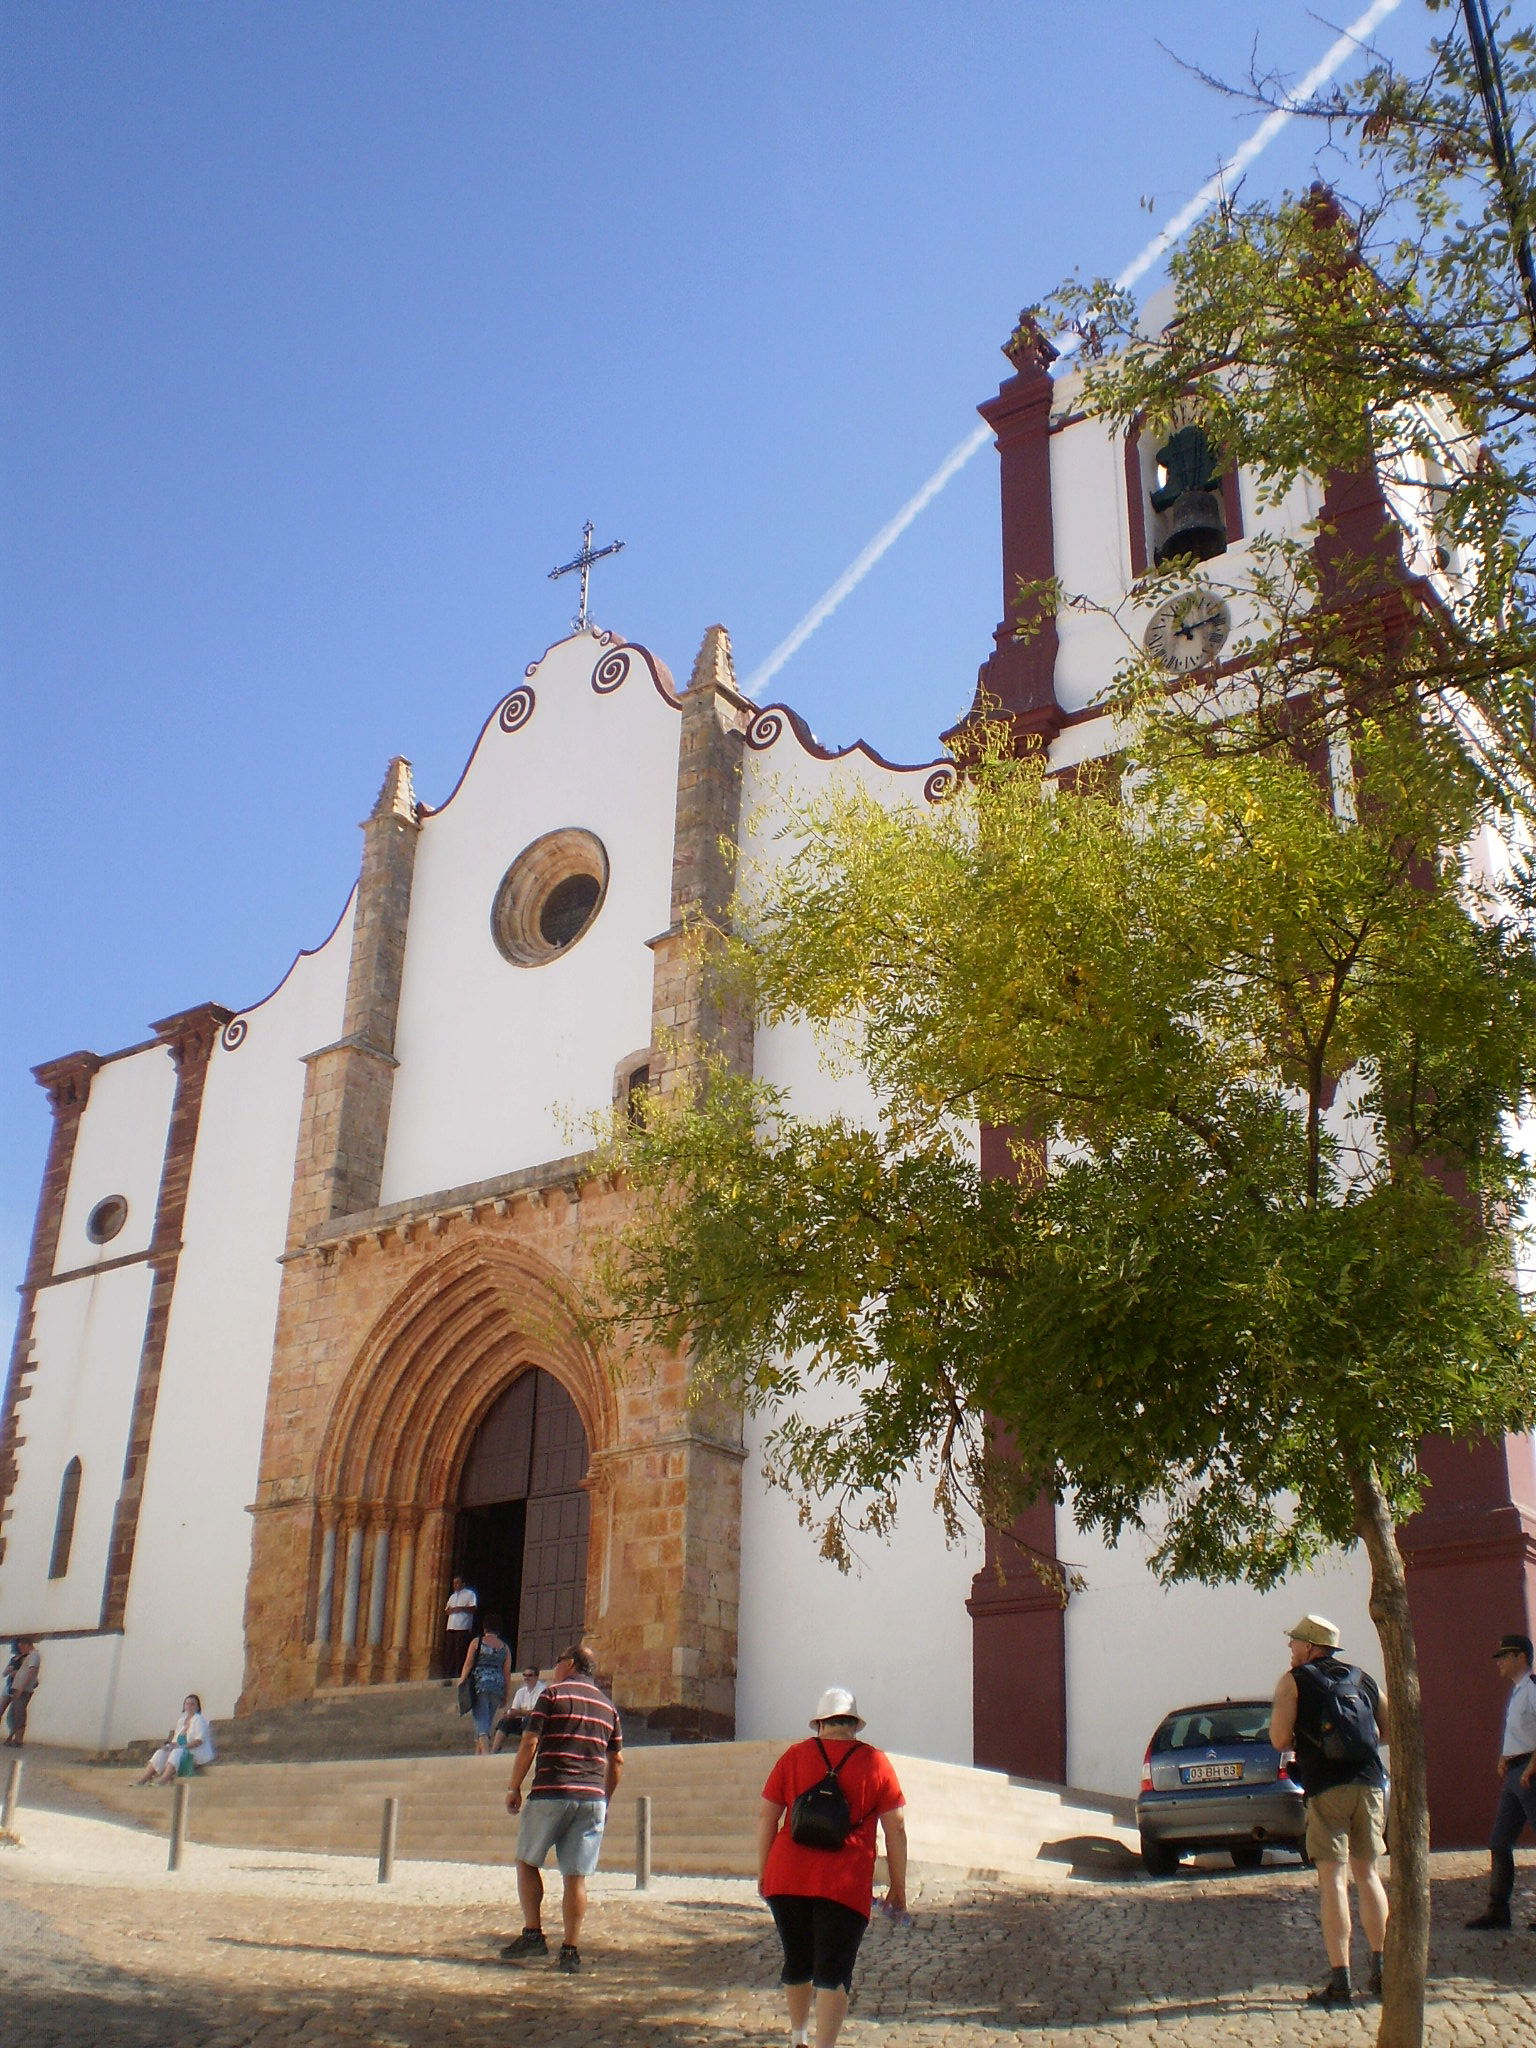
1335	1718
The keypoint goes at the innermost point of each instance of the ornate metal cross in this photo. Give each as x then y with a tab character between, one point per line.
583	562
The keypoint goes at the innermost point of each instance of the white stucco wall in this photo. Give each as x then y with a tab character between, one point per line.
894	1629
1136	1649
87	1336
119	1150
77	1689
186	1600
501	1066
1092	541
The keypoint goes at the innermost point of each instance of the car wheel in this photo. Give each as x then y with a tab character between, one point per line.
1160	1859
1248	1855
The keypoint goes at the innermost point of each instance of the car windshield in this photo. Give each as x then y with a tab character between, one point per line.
1207	1727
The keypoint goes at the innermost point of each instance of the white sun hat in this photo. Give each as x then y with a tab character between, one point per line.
836	1705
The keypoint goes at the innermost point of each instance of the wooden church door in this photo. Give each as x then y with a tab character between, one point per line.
521	1539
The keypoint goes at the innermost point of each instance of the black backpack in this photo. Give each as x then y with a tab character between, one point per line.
819	1818
1343	1714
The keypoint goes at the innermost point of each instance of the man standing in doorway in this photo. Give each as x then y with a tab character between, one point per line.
1517	1776
573	1746
458	1625
1334	1716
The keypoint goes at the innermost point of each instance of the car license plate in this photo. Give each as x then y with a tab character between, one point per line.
1211	1774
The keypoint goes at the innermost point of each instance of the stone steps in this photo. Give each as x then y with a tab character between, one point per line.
417	1718
704	1804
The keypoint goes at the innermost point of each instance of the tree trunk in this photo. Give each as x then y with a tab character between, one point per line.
1407	1959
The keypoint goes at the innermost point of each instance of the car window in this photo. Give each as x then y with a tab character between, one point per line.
1207	1727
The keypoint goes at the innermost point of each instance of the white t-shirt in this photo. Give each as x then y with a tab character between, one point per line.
1520	1719
199	1736
461	1607
526	1698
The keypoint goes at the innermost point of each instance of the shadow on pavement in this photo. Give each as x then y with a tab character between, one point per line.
1188	1952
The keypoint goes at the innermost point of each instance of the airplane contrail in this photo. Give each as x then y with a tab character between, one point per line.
1210	192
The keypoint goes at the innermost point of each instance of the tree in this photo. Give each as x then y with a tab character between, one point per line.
1263	1031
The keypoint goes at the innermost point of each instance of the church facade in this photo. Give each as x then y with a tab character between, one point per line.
303	1333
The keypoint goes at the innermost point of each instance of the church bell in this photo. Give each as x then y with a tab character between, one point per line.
1194	525
1192	520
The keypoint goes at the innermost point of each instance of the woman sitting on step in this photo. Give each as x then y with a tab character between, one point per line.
488	1667
185	1750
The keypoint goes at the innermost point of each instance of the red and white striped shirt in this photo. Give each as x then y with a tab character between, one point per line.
578	1730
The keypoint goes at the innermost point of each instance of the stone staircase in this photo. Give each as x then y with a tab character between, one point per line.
704	1803
415	1719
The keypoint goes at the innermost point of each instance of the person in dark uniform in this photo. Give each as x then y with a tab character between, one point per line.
1517	1779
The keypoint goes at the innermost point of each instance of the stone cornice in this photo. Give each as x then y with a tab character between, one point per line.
552	1176
190	1034
148	1257
67	1081
353	1044
675	1439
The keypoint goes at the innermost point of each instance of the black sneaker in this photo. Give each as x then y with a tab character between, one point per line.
1332	1993
570	1960
1373	1977
530	1942
1496	1916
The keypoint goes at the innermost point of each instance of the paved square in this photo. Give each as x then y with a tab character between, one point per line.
252	1948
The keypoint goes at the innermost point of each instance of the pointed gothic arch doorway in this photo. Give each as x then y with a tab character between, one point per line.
520	1526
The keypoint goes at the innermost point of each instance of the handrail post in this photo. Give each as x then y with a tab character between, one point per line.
181	1800
643	1843
388	1835
12	1796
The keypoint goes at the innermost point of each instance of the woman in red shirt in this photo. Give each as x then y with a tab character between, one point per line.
821	1898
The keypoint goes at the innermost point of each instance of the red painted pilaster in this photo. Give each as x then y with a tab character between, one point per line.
1017	683
1471	1558
68	1084
189	1038
1018	1617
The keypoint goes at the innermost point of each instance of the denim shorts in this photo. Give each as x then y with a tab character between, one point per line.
573	1828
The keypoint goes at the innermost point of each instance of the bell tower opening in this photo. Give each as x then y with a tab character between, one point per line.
520	1530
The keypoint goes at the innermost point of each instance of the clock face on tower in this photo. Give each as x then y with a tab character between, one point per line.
1188	632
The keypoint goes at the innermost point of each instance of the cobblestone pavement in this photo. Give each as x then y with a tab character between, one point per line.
258	1949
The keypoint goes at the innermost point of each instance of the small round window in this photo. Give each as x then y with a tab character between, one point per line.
549	897
107	1219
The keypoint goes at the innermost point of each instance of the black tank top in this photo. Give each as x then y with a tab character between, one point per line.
1317	1772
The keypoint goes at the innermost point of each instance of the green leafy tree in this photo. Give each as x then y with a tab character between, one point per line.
1227	1309
1263	1031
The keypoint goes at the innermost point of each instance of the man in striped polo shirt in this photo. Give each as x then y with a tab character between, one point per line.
572	1744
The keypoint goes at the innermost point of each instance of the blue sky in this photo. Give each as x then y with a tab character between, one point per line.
329	321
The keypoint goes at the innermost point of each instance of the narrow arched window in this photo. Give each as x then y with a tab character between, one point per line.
64	1526
636	1088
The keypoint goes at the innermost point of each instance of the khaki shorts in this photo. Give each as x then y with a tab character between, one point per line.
1347	1820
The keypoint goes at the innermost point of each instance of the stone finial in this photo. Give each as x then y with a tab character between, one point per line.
1029	347
397	798
714	668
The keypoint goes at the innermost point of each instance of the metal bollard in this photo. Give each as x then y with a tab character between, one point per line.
181	1799
12	1796
643	1843
388	1835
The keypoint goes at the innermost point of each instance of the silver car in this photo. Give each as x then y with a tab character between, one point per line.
1211	1780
